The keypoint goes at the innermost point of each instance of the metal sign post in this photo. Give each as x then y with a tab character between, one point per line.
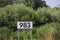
18	35
25	25
30	34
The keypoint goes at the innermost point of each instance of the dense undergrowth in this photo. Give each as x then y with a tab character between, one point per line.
46	22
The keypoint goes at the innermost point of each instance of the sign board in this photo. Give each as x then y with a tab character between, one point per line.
24	25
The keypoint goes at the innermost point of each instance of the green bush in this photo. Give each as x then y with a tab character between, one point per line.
10	15
54	13
4	33
46	15
42	16
3	17
5	2
48	30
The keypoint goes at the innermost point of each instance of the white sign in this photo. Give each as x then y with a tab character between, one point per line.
24	25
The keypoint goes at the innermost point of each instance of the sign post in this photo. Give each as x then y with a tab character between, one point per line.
30	34
18	35
25	25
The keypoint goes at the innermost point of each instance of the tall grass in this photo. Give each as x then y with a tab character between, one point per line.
49	35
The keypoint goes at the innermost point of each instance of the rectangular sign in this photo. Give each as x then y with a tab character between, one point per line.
24	25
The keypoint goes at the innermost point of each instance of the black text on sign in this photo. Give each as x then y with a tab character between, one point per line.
24	25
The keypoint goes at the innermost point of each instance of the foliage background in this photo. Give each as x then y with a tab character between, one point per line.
46	20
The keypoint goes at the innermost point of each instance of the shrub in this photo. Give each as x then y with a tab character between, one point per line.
17	13
4	33
5	2
48	32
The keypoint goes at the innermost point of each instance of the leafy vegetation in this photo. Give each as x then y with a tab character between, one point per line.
46	21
